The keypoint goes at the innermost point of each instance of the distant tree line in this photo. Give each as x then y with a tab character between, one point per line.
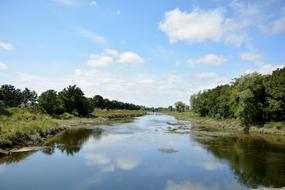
71	100
252	98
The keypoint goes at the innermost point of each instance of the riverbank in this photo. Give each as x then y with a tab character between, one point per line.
276	128
21	127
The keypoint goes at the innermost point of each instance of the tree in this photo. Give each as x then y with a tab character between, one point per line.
29	96
275	89
180	106
98	101
170	108
11	96
74	102
250	99
70	98
49	101
85	107
2	105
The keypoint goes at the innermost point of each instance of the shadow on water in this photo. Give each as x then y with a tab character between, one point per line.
254	160
69	142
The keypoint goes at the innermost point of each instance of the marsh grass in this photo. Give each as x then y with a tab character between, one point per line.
231	124
24	120
21	125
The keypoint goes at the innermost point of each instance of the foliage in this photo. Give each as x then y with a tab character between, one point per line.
13	97
29	96
49	101
98	101
252	98
180	106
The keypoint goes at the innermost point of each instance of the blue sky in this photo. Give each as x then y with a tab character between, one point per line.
145	52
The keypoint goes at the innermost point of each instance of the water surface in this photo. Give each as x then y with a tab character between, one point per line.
144	155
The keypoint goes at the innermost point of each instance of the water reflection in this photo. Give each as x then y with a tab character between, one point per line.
254	160
15	158
141	155
71	141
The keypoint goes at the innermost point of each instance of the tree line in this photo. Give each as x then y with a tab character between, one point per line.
251	98
71	100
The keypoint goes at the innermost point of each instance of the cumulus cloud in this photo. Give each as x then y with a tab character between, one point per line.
250	56
265	68
195	26
88	34
3	66
210	59
6	46
100	60
112	56
229	24
130	57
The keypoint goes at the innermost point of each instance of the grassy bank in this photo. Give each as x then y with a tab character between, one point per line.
28	127
228	124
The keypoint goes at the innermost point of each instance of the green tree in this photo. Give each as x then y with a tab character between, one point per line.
49	101
74	102
11	96
250	99
275	89
180	106
98	101
70	98
85	107
29	96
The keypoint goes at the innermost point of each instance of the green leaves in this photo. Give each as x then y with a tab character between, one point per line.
252	98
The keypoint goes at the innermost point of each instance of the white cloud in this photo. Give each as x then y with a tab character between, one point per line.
112	56
130	57
6	46
195	26
3	66
207	75
92	3
250	56
67	2
229	24
266	68
127	163
274	26
97	159
210	59
92	36
278	25
100	60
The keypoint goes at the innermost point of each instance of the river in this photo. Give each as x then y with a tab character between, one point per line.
144	155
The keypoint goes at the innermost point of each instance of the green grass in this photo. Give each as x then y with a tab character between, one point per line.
19	125
24	120
231	124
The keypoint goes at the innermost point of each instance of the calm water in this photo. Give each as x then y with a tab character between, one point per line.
143	155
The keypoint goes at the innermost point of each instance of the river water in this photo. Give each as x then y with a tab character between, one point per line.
144	155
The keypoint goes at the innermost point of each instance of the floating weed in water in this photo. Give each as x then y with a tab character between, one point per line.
168	150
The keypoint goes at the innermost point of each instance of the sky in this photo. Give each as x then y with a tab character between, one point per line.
150	53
